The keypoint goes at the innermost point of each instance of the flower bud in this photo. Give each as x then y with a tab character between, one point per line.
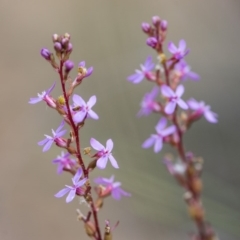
164	25
146	27
65	42
68	66
55	37
67	35
69	48
51	102
57	46
46	54
156	20
152	42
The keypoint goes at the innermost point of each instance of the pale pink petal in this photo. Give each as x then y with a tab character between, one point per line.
116	194
62	192
158	145
182	104
170	107
113	161
71	196
78	101
182	45
172	48
161	124
43	142
81	182
79	116
91	102
50	89
48	145
35	100
102	162
193	104
168	131
60	134
149	142
109	145
96	144
211	116
116	184
77	176
180	90
60	126
167	91
93	115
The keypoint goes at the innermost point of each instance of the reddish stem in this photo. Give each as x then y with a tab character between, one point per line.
78	154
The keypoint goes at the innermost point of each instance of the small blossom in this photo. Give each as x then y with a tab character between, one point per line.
104	153
74	189
85	108
158	138
112	187
64	161
46	54
156	20
44	96
180	51
202	109
152	42
48	141
164	25
88	72
174	98
183	71
148	104
144	72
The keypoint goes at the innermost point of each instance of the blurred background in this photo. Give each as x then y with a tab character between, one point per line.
108	36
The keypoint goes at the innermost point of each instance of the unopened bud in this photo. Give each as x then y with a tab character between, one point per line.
65	42
46	54
55	37
92	165
67	35
152	42
99	203
164	25
146	27
57	46
68	66
156	20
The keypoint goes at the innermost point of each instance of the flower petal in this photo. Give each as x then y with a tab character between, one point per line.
116	194
60	134
77	176
78	101
113	161
71	196
62	192
79	116
35	100
168	131
182	104
109	145
50	89
43	142
60	126
180	90
81	182
193	76
193	104
167	91
93	115
96	144
182	45
136	78
158	145
161	124
91	102
149	142
89	72
48	145
172	48
211	116
170	107
102	162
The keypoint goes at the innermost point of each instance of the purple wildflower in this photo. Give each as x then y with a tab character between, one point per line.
89	71
64	161
183	71
174	98
202	109
75	189
104	153
158	138
148	105
44	96
48	141
144	72
180	51
112	187
85	108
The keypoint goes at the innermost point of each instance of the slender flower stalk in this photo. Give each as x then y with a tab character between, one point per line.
75	115
187	169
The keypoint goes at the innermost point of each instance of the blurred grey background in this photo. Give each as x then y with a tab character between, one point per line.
107	35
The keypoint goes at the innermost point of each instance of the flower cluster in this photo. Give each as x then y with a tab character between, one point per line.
74	111
167	99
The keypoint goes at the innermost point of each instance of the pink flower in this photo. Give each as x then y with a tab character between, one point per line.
104	153
174	98
74	189
180	51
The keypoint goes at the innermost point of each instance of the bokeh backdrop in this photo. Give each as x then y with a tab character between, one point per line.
107	34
